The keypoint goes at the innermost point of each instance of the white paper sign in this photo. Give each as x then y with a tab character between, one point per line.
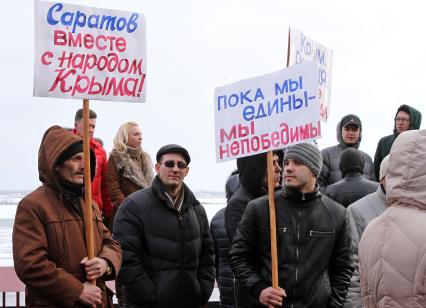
268	112
86	52
301	49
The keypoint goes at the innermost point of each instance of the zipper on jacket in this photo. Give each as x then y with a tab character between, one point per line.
297	251
180	219
234	286
182	246
313	232
283	230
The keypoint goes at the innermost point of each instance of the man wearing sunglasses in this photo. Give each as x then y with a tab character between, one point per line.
164	233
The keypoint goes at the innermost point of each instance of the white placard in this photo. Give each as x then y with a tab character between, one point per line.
86	52
268	112
301	49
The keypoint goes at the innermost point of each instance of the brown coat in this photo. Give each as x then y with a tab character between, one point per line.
126	175
392	250
49	236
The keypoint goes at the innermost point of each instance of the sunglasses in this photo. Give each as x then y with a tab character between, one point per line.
171	164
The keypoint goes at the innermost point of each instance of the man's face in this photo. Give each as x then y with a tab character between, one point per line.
277	173
402	121
350	134
72	170
298	176
169	172
80	129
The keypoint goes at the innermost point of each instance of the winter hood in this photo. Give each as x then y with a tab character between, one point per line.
415	117
406	177
56	140
340	126
252	170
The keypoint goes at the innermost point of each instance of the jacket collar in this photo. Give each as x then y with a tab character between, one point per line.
188	197
381	193
352	175
301	199
137	171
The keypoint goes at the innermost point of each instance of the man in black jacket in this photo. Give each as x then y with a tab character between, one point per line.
253	184
406	118
353	186
313	238
168	257
224	275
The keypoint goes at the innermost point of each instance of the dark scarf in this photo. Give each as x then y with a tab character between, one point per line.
72	193
178	200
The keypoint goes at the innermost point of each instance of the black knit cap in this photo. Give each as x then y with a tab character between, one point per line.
307	154
351	160
351	119
173	148
70	152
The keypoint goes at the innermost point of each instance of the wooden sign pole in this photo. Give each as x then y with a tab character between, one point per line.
272	219
271	193
87	182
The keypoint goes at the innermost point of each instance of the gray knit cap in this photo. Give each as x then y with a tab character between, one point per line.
307	154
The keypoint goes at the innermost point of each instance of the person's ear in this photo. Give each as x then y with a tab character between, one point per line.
186	171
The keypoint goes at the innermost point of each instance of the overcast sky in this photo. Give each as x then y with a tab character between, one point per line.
194	46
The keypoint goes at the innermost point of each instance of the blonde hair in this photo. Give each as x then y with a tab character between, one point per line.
121	138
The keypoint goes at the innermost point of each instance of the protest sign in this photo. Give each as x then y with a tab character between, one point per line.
268	112
301	48
90	53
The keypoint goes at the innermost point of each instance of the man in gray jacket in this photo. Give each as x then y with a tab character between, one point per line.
349	133
360	213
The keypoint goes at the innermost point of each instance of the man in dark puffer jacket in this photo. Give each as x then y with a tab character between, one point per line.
224	275
168	257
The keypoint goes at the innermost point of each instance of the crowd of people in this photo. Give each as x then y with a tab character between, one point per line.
348	228
323	206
